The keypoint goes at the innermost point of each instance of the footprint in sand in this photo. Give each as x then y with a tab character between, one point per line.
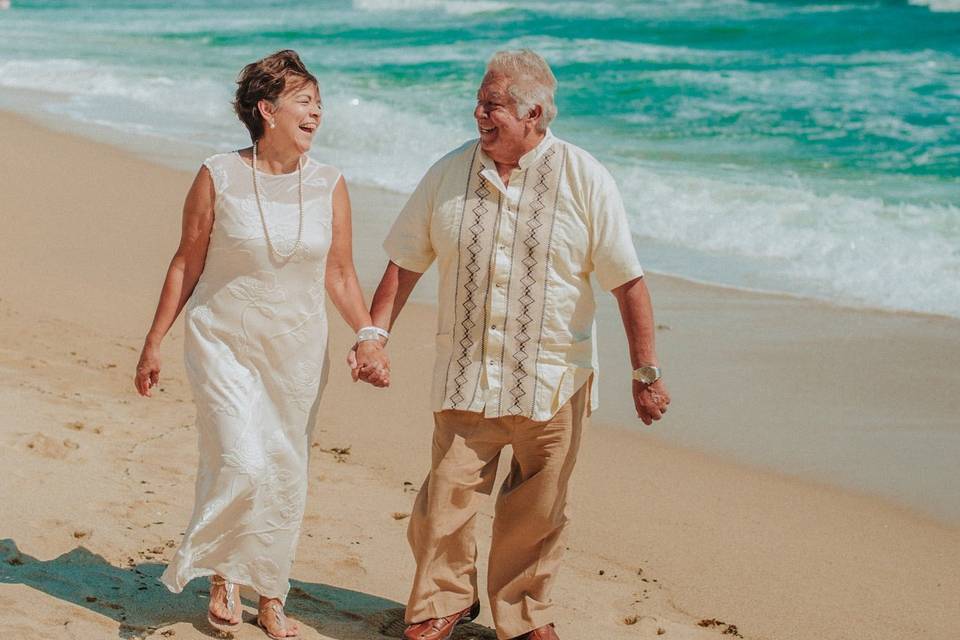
353	564
48	447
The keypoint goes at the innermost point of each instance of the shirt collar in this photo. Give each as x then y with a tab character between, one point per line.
526	159
531	156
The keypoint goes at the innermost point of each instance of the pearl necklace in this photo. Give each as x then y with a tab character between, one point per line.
263	219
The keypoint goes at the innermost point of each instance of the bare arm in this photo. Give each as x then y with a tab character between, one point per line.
182	275
342	284
636	311
392	293
395	287
344	290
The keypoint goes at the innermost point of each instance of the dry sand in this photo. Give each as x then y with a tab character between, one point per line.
666	542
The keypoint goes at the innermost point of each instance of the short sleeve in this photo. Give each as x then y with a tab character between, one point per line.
408	243
613	254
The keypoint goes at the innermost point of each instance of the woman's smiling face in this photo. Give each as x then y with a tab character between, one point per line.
297	116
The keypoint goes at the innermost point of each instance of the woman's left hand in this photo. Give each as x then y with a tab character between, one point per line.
369	362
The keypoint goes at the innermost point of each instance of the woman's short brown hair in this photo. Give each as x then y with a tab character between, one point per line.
267	79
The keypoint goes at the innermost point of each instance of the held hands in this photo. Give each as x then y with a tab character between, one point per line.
650	400
148	370
368	361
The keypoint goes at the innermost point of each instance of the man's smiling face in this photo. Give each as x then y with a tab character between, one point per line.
502	133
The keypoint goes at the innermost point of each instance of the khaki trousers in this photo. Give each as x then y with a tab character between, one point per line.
529	521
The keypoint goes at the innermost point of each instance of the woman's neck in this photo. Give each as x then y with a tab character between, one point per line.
276	159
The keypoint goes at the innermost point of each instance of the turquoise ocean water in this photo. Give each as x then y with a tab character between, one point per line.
805	147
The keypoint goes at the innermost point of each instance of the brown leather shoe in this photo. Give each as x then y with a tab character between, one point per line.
545	632
441	628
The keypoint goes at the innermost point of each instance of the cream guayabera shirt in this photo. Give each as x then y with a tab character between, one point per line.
516	318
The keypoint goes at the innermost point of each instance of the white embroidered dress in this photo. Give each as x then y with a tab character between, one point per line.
255	350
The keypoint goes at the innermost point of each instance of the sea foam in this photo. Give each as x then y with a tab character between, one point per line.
938	5
832	246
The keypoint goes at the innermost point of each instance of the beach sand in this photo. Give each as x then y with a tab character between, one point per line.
666	542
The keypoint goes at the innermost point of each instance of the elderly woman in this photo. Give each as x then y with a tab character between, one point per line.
266	234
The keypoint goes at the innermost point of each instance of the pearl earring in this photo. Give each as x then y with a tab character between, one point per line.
273	125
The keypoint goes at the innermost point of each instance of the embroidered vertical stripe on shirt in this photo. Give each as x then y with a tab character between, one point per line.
476	241
535	217
525	303
546	279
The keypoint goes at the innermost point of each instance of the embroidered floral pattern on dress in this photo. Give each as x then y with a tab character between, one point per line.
303	382
202	314
218	173
260	290
247	458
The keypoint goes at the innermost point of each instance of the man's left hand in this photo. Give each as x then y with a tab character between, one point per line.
651	400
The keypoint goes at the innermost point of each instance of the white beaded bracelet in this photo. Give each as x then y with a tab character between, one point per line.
372	333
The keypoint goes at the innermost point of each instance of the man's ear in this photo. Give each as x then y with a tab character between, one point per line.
535	113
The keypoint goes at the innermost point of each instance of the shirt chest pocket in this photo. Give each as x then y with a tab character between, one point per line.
445	227
570	244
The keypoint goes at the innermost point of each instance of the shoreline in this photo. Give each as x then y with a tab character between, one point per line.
170	153
664	534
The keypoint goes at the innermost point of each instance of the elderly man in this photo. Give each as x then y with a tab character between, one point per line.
517	222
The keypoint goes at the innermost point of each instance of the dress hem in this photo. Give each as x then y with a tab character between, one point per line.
177	585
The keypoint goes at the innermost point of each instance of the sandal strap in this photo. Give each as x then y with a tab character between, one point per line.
278	614
229	590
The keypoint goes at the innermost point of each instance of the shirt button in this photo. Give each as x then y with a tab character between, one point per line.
494	327
491	362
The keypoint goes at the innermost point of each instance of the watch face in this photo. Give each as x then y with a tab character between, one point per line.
648	375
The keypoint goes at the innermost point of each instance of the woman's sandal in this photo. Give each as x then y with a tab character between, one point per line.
224	624
281	619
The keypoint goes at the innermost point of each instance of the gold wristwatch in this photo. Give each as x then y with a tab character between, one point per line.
647	374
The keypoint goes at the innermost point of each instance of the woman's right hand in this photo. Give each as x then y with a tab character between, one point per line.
148	369
182	276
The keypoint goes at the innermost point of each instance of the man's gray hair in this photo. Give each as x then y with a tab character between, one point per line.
532	82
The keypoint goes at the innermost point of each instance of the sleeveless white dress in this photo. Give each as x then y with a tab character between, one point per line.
256	357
